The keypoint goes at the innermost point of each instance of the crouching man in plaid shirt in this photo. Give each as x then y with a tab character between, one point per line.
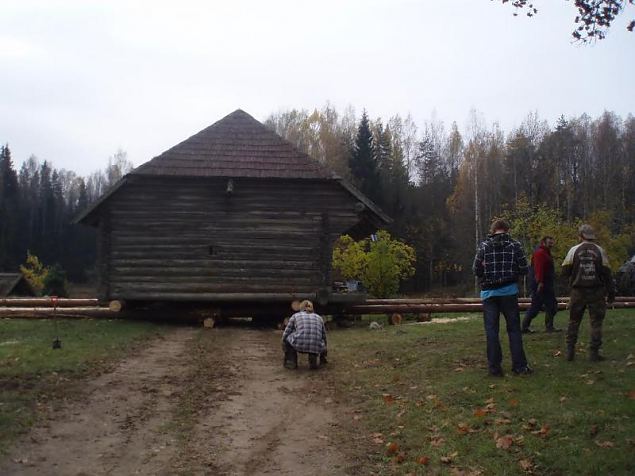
304	333
498	263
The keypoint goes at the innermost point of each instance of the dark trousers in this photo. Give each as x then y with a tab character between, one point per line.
595	300
546	298
291	357
492	307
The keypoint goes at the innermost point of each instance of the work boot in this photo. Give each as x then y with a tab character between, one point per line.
290	360
594	356
570	353
313	361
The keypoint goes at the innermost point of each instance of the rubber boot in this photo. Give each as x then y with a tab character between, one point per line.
570	352
313	361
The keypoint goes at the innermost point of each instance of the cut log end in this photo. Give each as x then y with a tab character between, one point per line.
116	306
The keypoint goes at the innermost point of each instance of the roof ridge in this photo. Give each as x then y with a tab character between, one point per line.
237	135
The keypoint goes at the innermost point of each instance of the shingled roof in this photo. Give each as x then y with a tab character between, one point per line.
14	284
236	146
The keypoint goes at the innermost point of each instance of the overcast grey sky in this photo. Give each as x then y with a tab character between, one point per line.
80	78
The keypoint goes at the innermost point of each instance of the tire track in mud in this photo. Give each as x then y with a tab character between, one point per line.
195	402
118	426
273	421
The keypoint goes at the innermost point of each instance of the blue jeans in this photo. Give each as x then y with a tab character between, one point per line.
492	308
546	298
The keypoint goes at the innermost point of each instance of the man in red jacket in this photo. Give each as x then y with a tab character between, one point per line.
543	290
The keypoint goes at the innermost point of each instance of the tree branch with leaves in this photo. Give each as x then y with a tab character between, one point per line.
593	20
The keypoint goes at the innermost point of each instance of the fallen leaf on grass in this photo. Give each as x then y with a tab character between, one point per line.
543	432
449	458
436	441
463	428
480	412
631	395
378	440
502	421
605	444
504	442
590	382
392	448
563	399
388	399
557	353
492	385
459	369
525	464
513	402
424	460
531	424
400	458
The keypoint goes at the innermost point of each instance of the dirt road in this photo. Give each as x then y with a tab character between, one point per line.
197	401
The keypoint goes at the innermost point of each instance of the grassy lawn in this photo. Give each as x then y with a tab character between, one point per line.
32	373
425	405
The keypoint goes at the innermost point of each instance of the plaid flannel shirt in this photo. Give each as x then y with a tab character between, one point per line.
306	333
499	261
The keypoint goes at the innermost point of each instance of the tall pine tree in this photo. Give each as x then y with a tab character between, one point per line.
9	211
363	162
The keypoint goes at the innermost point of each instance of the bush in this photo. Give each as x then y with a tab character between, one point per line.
55	283
380	263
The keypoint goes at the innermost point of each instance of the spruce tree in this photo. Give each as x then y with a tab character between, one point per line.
363	162
9	211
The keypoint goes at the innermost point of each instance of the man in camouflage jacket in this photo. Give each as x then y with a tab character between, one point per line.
587	267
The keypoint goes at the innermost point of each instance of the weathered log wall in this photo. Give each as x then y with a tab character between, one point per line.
189	237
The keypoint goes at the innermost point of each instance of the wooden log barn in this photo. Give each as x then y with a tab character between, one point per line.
235	217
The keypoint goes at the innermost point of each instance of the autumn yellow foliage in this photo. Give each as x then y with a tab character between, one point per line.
380	263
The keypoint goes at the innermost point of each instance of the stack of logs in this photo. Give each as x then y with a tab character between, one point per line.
434	305
62	307
53	307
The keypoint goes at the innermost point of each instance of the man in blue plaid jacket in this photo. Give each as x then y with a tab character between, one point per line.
304	333
498	263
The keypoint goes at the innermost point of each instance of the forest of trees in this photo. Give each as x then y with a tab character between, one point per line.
440	185
37	206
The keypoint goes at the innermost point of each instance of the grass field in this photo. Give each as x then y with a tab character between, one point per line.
424	403
422	400
32	373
